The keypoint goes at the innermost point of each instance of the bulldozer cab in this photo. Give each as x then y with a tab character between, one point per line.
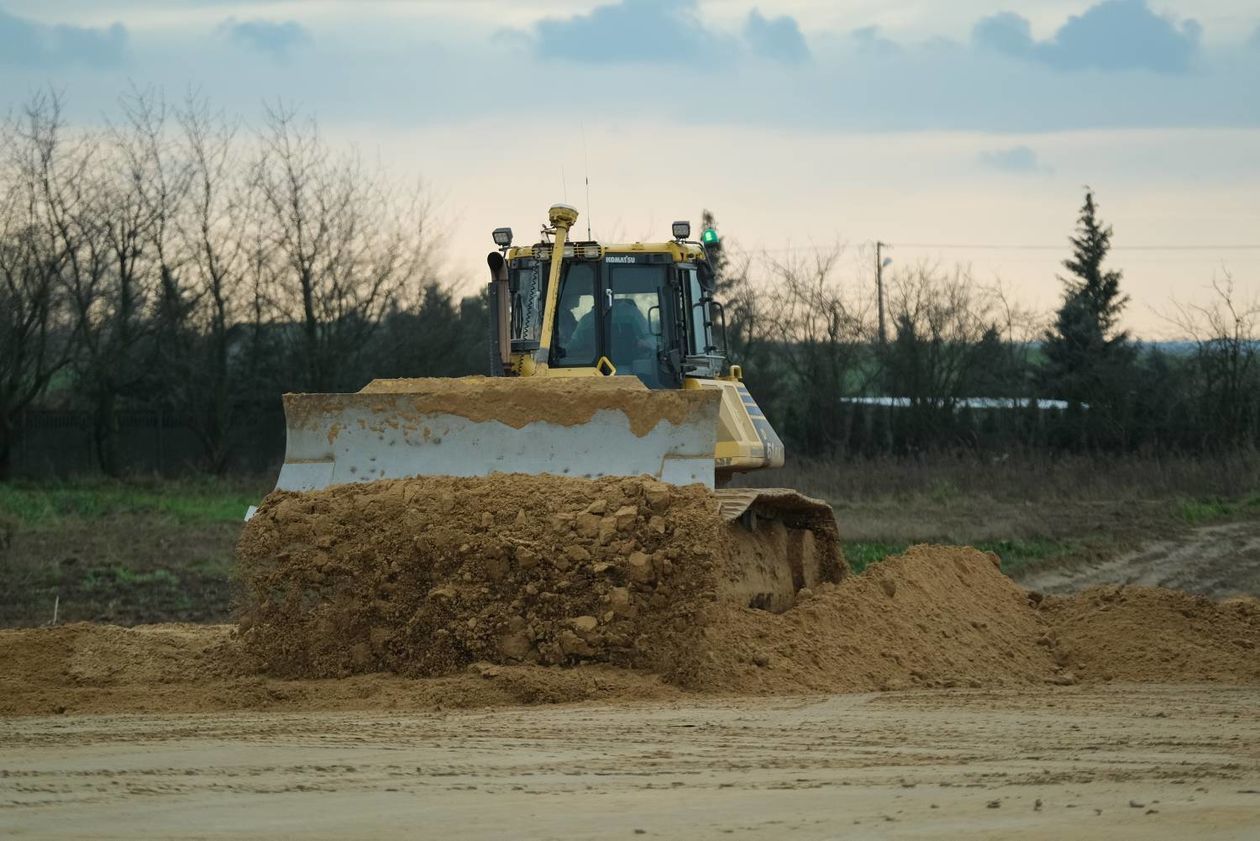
644	311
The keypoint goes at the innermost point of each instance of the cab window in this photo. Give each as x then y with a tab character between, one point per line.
634	322
575	344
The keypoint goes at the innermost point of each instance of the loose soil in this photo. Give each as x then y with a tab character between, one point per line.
1116	762
517	401
423	576
1147	633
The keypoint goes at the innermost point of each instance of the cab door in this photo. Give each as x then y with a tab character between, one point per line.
638	320
578	338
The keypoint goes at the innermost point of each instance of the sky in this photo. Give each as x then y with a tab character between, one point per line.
961	132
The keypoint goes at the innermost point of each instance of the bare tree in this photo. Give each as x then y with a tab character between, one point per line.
65	196
1226	336
824	333
122	221
943	322
1017	329
214	233
346	247
34	340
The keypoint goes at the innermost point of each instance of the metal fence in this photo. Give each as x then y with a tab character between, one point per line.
58	443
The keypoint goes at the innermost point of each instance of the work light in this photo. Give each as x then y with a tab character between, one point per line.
682	230
503	237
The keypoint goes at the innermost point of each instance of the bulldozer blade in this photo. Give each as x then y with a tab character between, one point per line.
579	427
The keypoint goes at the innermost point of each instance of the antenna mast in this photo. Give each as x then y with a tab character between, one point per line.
586	163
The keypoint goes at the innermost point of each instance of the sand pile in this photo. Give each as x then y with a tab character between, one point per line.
1154	635
937	616
422	577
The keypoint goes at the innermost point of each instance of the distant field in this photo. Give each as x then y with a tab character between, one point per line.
120	552
144	551
1030	511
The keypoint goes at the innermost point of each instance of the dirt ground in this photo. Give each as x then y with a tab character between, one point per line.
1116	711
1119	761
1220	561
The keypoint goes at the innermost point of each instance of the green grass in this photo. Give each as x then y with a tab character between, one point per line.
1198	512
861	555
1018	553
1014	553
184	502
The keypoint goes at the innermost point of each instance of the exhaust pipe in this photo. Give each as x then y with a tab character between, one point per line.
500	312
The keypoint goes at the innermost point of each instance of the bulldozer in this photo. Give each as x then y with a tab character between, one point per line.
605	360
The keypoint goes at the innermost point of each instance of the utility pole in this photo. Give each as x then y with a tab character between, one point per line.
879	284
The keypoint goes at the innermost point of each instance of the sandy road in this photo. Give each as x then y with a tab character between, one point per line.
1220	561
1115	762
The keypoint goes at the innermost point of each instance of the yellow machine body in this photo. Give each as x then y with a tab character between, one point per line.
745	439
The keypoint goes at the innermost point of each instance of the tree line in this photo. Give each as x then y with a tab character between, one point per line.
807	336
177	259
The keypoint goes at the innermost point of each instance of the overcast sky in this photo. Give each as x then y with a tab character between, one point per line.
937	127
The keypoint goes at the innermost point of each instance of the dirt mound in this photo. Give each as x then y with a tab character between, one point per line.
516	401
1155	635
935	616
424	576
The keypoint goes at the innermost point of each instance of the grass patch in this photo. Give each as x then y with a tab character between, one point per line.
186	503
860	555
1014	553
1197	512
1019	553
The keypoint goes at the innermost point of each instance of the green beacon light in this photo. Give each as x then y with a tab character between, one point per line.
710	237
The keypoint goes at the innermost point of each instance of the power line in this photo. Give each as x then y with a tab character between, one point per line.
1066	246
1061	248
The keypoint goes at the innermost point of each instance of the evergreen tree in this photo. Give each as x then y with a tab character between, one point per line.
1086	356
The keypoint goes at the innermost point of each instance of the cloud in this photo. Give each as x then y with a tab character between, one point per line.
30	44
871	40
656	31
776	38
1110	36
275	38
1005	32
663	32
396	69
1016	159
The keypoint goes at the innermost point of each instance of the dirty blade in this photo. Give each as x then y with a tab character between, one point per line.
476	426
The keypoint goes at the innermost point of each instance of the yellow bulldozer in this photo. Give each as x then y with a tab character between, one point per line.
606	360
